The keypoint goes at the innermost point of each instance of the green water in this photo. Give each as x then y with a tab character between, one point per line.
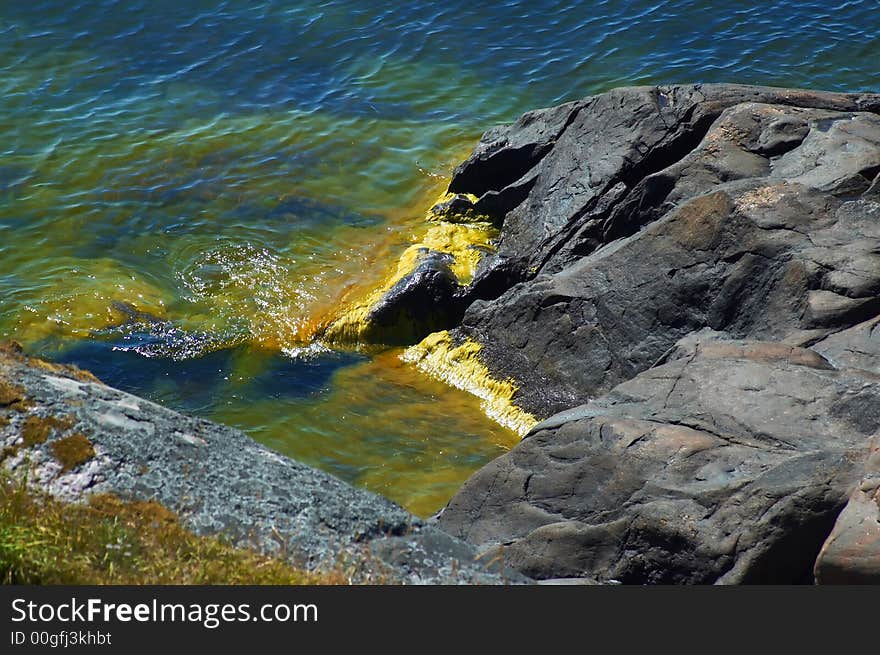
188	188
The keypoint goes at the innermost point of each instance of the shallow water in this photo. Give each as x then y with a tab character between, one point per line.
187	188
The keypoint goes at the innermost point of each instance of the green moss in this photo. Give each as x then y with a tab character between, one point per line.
112	541
36	429
73	450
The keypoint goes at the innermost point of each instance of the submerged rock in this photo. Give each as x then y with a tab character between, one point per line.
74	436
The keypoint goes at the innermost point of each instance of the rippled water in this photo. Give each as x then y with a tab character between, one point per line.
188	186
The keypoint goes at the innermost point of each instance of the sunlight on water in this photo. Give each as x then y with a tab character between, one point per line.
189	188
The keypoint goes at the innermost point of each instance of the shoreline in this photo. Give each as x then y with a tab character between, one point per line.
723	432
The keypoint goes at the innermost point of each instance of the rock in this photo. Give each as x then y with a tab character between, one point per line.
856	347
562	171
75	436
424	301
851	554
427	291
687	289
654	212
729	463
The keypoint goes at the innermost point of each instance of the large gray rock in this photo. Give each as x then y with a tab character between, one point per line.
558	178
740	209
856	347
668	257
727	464
75	436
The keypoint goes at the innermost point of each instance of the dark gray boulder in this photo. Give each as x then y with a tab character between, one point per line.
424	301
217	479
555	176
729	463
741	209
688	286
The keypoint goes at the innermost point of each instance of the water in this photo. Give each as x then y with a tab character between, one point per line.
187	187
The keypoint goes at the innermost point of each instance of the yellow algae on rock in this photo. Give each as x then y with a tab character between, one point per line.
353	326
467	242
460	366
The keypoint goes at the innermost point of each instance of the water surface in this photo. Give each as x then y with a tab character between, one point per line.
188	187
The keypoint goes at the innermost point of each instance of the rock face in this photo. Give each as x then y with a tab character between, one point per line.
851	554
75	436
727	464
687	287
733	208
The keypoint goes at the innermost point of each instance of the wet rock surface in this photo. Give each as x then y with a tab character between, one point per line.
426	300
687	289
217	479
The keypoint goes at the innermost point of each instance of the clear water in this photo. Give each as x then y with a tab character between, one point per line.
188	186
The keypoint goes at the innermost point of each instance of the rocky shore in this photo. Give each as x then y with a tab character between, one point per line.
73	436
681	314
686	294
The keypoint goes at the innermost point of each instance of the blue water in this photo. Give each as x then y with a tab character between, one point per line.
185	184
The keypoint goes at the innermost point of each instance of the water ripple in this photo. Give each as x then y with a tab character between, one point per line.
229	168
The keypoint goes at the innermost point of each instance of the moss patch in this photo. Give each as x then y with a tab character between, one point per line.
36	429
460	366
111	541
73	450
12	396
